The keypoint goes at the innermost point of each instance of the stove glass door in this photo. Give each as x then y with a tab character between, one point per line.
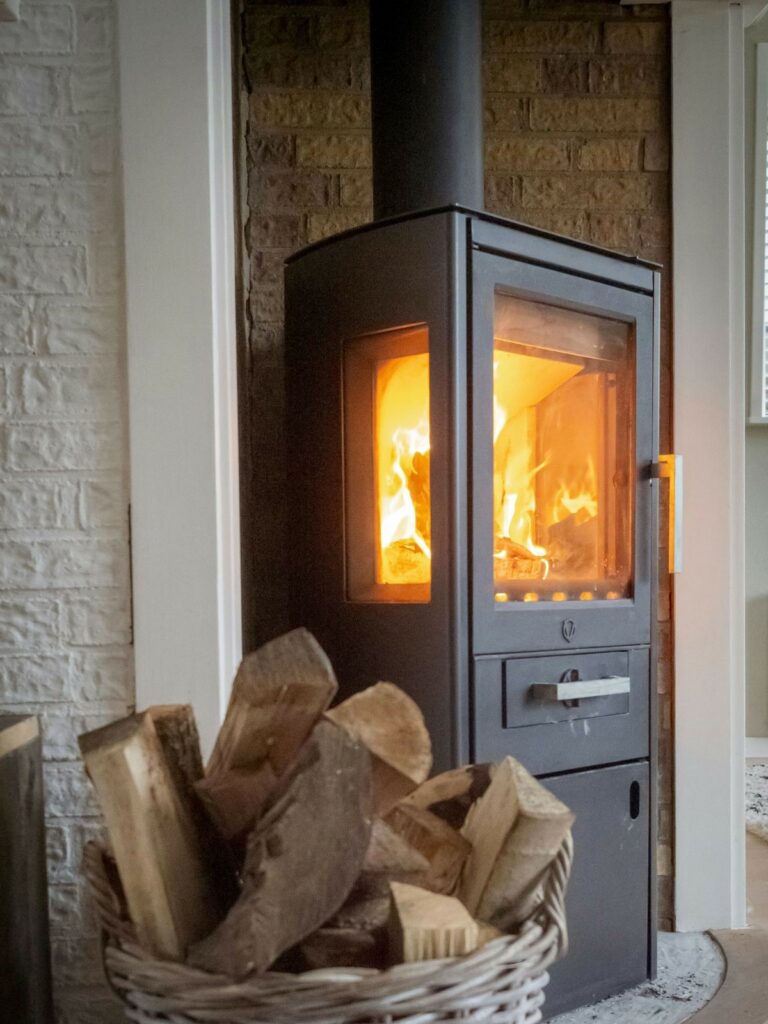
563	453
388	514
564	432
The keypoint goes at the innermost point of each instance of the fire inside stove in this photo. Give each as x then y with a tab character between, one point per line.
402	469
561	454
559	424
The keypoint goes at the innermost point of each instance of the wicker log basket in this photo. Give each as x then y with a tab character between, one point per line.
501	983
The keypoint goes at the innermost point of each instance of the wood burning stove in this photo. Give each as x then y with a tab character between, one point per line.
472	409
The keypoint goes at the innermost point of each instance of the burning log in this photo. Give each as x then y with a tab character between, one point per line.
173	900
391	726
295	877
512	561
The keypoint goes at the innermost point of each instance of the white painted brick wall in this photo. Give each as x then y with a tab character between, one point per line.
65	631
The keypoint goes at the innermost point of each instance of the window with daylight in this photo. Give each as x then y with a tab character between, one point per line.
758	404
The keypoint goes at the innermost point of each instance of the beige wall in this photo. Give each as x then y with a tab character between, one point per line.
756	465
757	581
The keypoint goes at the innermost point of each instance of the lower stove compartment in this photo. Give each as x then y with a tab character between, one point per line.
612	945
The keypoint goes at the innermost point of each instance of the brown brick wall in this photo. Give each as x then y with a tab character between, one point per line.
577	141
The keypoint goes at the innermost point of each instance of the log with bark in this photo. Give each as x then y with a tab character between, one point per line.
295	876
164	868
176	730
350	855
279	693
451	794
344	947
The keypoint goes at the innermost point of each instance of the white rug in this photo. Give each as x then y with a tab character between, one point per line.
691	968
757	799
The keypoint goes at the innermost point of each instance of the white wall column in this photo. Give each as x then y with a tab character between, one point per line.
709	424
176	83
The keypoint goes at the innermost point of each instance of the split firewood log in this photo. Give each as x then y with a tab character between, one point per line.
445	849
451	794
389	858
362	913
233	798
391	726
177	732
487	825
425	925
164	869
279	693
301	859
516	830
344	947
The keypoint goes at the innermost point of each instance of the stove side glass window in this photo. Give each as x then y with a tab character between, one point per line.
563	454
387	466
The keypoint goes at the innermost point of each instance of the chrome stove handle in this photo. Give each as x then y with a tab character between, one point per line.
581	689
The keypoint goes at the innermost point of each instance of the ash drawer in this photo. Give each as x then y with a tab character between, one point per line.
565	711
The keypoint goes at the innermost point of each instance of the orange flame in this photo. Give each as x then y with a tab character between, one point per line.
398	511
525	503
402	469
580	502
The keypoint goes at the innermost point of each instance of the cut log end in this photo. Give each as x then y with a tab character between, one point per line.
391	726
428	926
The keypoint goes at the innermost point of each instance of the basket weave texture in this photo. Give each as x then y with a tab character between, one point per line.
502	983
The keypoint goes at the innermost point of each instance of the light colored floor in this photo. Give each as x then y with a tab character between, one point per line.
743	998
757	882
691	968
757	874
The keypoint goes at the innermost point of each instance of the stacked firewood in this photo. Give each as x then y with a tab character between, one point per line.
315	837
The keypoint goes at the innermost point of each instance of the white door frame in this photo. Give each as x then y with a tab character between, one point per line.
709	431
178	179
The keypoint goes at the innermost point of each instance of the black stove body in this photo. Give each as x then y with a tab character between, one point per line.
473	426
472	422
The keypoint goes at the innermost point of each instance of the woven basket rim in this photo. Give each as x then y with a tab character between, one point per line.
508	970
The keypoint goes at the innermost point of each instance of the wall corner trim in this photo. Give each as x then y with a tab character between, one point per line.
176	109
709	430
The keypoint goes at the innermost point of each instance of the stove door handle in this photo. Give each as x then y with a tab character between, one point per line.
670	467
581	689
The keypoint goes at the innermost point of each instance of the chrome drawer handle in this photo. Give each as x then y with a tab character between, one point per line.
581	689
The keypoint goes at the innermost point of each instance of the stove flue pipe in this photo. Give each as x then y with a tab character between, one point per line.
427	108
